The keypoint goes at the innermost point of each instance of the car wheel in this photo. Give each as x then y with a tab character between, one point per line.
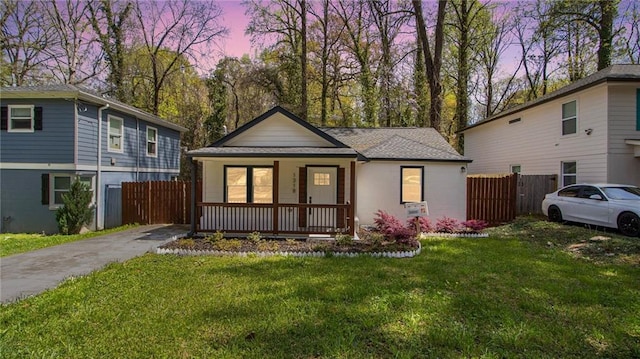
629	224
554	214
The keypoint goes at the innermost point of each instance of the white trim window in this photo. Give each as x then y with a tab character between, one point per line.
411	184
61	184
20	118
515	168
152	141
569	173
115	134
569	118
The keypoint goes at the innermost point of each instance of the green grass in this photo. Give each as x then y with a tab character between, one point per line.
14	243
506	296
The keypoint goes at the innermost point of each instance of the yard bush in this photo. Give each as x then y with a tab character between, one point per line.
77	210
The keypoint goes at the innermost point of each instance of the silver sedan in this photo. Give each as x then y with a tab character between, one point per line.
608	205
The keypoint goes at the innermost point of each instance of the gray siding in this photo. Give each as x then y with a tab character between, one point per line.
623	167
54	144
168	145
21	207
134	143
87	134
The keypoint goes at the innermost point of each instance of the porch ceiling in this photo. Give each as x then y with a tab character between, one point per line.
329	152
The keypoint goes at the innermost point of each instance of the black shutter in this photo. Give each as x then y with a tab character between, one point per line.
37	121
45	188
4	115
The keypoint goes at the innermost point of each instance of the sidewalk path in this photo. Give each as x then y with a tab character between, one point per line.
33	272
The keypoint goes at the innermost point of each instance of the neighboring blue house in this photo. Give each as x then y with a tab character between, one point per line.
50	135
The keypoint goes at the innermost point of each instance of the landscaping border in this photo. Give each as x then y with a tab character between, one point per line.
189	252
454	235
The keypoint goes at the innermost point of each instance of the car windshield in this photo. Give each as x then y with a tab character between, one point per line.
622	192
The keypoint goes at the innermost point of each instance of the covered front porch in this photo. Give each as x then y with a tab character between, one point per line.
284	197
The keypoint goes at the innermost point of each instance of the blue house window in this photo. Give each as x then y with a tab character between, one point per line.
152	141
116	131
21	118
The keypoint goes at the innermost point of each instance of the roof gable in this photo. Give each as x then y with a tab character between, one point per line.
278	128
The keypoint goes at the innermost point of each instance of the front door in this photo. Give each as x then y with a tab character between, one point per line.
322	188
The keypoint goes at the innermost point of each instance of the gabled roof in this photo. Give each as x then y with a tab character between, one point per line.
277	109
83	94
619	73
397	143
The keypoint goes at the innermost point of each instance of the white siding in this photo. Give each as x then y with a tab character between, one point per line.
278	131
623	167
536	142
378	187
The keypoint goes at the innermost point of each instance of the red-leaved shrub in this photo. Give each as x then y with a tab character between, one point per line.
391	226
425	224
475	225
448	225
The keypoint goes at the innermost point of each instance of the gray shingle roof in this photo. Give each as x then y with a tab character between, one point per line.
397	143
626	72
57	90
331	152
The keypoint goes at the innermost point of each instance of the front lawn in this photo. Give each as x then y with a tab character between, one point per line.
505	296
14	243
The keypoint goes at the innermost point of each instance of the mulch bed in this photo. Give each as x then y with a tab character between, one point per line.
282	245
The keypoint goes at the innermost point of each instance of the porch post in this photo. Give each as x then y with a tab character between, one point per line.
276	195
352	198
194	189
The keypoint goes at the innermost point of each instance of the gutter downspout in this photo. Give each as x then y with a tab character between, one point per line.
138	149
99	209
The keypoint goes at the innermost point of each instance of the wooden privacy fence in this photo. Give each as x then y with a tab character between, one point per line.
531	191
499	198
156	202
492	199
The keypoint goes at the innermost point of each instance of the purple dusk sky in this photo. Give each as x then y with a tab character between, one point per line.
237	43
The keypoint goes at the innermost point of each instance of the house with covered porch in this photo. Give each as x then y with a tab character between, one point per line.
280	175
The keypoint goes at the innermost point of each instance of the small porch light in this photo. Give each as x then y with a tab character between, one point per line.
463	169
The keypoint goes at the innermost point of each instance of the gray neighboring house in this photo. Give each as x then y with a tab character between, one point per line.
588	131
51	135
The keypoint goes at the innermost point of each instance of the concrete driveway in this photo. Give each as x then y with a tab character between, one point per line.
31	273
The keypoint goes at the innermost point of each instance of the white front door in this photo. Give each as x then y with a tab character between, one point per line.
322	188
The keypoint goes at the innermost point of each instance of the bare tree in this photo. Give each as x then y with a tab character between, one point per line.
109	21
433	61
284	21
25	37
73	51
179	27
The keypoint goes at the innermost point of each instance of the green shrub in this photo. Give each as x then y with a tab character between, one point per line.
268	246
254	236
375	238
343	239
216	237
228	244
76	210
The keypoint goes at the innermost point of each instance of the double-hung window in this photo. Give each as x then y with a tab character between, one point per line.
569	118
116	134
248	184
152	141
569	173
21	118
61	184
412	184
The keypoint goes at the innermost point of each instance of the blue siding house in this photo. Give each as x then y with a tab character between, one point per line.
51	135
